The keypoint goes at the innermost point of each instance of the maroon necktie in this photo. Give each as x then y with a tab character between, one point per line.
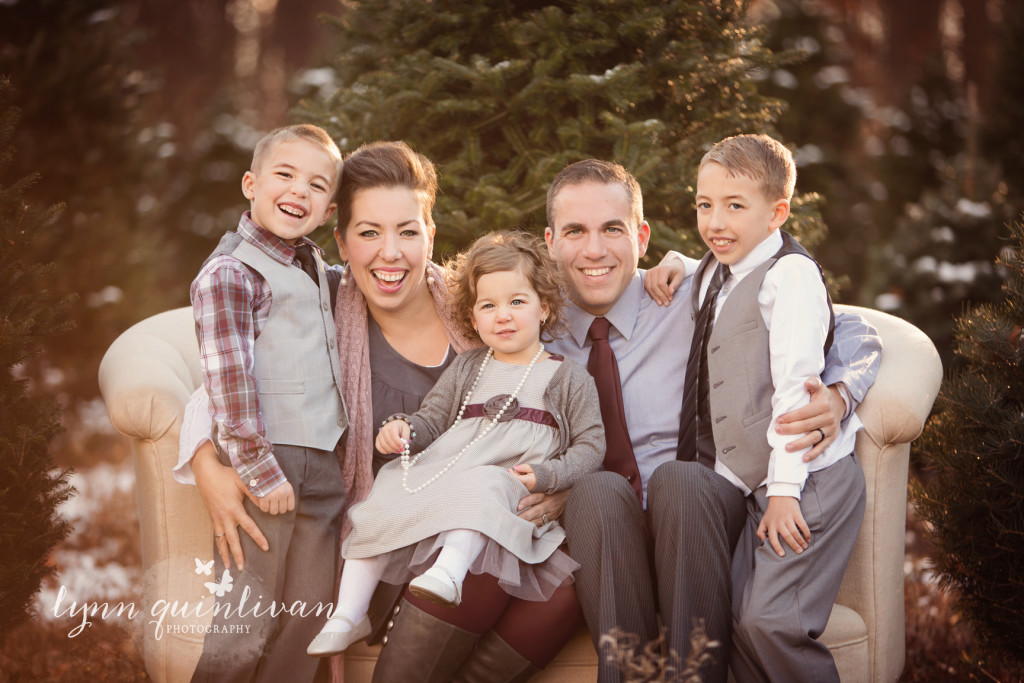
602	365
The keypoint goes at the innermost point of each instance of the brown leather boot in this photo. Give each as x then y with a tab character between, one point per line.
494	661
420	647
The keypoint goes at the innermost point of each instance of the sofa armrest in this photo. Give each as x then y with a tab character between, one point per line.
893	412
896	407
146	377
148	374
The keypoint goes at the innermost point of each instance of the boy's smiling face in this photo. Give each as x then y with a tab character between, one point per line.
292	191
733	213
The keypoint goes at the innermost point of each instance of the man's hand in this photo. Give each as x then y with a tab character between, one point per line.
541	508
222	491
278	501
782	518
824	412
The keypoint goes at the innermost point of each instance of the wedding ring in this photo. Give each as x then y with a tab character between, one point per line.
544	517
822	432
218	535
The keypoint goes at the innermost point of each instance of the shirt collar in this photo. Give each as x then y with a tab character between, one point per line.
268	242
622	315
758	255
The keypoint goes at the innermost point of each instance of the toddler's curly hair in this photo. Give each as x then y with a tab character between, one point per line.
506	251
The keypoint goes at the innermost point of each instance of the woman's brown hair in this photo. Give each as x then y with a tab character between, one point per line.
386	164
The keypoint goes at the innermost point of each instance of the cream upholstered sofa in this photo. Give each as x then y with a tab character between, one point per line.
149	372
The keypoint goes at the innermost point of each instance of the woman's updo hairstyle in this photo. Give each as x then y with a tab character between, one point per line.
386	164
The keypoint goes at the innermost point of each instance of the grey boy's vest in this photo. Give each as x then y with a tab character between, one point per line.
296	366
740	384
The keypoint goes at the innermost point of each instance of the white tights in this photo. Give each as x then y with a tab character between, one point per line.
360	576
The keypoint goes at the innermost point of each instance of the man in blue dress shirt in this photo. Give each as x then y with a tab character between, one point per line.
671	552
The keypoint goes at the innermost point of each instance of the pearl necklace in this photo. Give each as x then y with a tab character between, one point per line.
408	462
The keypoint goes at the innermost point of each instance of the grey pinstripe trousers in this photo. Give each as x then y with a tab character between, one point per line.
674	558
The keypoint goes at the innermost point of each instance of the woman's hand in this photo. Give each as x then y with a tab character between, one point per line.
541	508
222	492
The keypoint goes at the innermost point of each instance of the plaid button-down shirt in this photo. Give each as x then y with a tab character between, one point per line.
231	304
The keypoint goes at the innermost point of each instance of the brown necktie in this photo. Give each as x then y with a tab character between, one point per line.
307	261
602	365
696	440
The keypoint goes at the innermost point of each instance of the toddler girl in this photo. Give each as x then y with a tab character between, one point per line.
501	421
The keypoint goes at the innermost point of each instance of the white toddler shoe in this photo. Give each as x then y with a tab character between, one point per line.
330	643
438	586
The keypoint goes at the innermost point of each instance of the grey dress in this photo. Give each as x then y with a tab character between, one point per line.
478	492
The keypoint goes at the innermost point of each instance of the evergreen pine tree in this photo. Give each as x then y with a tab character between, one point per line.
824	122
916	215
972	492
30	313
504	94
81	95
1002	137
941	253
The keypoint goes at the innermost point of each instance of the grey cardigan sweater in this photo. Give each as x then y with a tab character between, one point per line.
571	397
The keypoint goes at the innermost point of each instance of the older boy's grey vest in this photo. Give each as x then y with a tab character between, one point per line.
298	375
739	370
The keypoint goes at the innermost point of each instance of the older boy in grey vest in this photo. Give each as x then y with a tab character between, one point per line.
764	323
270	365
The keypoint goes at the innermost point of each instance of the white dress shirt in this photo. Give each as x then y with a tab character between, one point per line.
794	307
651	345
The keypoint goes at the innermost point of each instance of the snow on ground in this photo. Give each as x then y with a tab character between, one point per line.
91	563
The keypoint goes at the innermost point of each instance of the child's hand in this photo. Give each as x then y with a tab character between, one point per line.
662	281
783	518
524	473
393	436
278	501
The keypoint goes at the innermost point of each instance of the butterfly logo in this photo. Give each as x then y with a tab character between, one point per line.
219	589
204	567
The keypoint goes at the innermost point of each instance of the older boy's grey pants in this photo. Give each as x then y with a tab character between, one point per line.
300	566
782	604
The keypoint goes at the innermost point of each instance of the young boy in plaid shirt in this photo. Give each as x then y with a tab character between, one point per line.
270	365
